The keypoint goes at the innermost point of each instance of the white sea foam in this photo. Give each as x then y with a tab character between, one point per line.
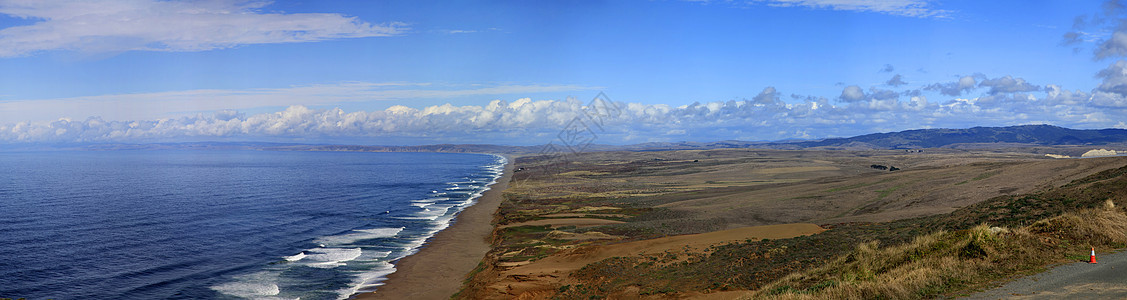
297	257
247	289
415	243
440	226
382	232
368	265
373	255
440	216
367	281
372	278
435	212
357	235
424	202
255	286
331	257
429	200
430	212
435	209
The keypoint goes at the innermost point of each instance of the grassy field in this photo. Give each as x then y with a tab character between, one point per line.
935	201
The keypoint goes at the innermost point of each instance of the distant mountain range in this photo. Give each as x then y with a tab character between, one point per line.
1043	135
977	137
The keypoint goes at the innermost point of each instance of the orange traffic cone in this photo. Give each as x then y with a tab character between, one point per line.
1092	259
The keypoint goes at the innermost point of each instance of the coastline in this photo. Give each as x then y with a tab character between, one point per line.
437	270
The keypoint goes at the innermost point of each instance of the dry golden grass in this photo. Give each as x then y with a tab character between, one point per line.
647	195
1099	227
942	262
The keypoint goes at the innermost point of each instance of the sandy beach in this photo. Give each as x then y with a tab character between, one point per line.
437	270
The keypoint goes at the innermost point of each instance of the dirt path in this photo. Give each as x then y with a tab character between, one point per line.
1080	280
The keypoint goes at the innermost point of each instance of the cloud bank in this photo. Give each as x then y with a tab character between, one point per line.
1001	101
100	26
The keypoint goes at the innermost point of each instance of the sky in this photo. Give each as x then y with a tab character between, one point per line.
535	72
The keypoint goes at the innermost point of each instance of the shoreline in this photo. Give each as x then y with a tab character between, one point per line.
438	269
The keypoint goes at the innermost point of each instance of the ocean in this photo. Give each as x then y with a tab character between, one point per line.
210	224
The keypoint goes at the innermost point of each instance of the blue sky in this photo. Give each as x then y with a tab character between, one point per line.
419	72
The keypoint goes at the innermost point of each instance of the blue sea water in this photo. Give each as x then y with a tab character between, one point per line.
222	224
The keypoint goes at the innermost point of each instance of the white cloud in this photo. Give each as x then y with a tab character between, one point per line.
458	31
907	8
956	88
1059	96
852	93
1010	101
767	97
1116	46
528	121
1114	78
895	81
169	104
98	26
1105	30
1008	84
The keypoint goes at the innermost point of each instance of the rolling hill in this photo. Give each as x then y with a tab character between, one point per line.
1044	135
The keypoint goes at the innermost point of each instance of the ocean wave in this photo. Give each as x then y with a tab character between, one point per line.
368	280
248	289
296	257
368	264
358	235
255	286
331	257
422	203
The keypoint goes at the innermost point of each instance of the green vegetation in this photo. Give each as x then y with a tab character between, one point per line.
885	192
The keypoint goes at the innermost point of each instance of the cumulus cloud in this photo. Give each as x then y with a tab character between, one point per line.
1008	84
956	88
1055	95
880	94
1114	78
852	93
895	81
149	25
1108	100
1116	46
887	68
1112	91
526	121
299	114
767	97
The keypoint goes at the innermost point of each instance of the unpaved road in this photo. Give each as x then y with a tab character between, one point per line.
1105	280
